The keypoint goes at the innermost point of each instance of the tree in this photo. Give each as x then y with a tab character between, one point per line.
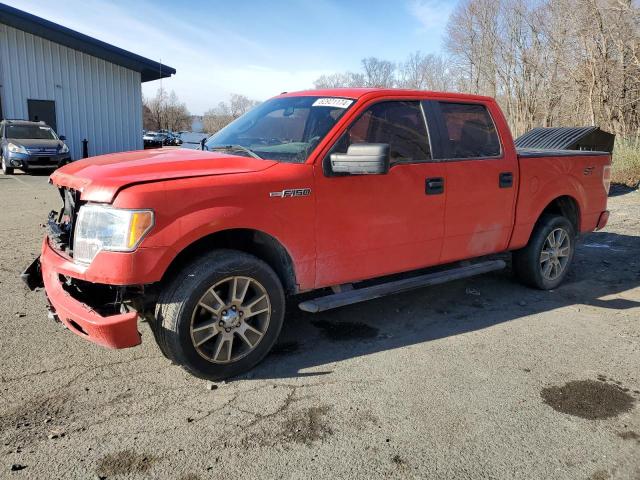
148	121
166	112
226	112
552	62
425	72
378	73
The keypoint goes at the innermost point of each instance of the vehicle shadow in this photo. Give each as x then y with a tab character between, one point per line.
618	189
605	264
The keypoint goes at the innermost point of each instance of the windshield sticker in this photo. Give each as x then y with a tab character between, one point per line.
332	102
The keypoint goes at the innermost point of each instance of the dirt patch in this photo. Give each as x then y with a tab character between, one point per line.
343	331
123	463
588	399
285	348
629	435
32	420
398	460
190	476
307	426
599	475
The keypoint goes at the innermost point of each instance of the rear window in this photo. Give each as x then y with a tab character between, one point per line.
470	131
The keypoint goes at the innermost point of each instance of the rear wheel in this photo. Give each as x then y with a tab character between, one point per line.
545	261
5	169
220	315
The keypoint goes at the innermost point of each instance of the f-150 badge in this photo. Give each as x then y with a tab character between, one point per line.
292	192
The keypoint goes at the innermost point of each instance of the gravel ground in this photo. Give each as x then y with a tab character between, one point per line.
481	378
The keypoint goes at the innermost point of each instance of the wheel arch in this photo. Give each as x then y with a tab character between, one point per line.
255	242
566	206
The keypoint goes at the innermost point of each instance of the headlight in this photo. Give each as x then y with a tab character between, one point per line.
64	148
100	227
13	148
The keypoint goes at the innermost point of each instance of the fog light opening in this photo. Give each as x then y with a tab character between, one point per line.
16	163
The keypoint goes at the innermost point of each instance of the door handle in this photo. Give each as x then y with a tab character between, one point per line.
506	180
434	186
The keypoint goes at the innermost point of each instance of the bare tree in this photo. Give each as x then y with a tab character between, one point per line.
425	72
226	112
551	62
378	73
166	112
338	80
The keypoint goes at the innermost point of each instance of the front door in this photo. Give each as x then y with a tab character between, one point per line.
481	180
373	225
43	111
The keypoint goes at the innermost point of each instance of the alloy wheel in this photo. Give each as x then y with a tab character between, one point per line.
230	319
555	253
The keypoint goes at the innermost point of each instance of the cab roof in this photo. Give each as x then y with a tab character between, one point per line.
359	92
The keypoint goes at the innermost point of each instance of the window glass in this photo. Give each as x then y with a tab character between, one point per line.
35	132
400	124
285	129
470	131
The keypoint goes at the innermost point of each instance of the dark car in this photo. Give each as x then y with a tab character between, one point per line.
160	139
30	146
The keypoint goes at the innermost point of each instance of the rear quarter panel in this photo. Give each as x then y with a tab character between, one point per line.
543	179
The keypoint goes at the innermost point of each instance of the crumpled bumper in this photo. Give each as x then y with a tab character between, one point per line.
114	331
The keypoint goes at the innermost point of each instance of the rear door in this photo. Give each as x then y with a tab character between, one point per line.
480	179
373	225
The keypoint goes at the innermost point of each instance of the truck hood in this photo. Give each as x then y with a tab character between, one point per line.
100	178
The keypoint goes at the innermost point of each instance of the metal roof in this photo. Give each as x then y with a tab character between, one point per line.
553	138
149	69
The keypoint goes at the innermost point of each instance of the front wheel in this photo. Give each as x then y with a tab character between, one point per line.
220	315
5	169
545	261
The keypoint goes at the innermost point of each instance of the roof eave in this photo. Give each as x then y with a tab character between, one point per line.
149	69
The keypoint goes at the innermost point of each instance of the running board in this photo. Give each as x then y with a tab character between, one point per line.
376	291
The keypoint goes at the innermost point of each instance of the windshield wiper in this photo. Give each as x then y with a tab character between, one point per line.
235	147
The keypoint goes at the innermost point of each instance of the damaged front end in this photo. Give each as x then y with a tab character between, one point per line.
104	314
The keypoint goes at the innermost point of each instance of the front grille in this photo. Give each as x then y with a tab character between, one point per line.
42	151
60	226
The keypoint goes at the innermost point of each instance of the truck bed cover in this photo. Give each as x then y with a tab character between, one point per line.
543	152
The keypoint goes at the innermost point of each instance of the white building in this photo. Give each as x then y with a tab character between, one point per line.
82	87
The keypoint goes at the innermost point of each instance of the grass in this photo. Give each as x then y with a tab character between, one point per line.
626	162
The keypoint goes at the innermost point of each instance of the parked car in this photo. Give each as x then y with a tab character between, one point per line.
30	146
307	191
160	139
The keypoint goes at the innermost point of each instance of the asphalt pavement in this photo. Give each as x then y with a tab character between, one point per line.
475	379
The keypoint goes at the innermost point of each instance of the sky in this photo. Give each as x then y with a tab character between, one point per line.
255	48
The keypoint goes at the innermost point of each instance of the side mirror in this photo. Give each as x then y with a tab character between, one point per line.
362	159
62	137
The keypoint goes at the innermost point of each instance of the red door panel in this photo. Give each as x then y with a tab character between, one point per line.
373	225
479	214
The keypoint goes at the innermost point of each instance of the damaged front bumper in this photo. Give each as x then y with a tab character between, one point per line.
113	331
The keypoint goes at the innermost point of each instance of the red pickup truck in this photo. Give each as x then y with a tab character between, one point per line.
310	190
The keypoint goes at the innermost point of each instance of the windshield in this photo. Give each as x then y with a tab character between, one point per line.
30	132
283	129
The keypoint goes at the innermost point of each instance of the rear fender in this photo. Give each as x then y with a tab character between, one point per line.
535	198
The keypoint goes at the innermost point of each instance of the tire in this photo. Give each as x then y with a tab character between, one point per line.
5	170
196	305
532	267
